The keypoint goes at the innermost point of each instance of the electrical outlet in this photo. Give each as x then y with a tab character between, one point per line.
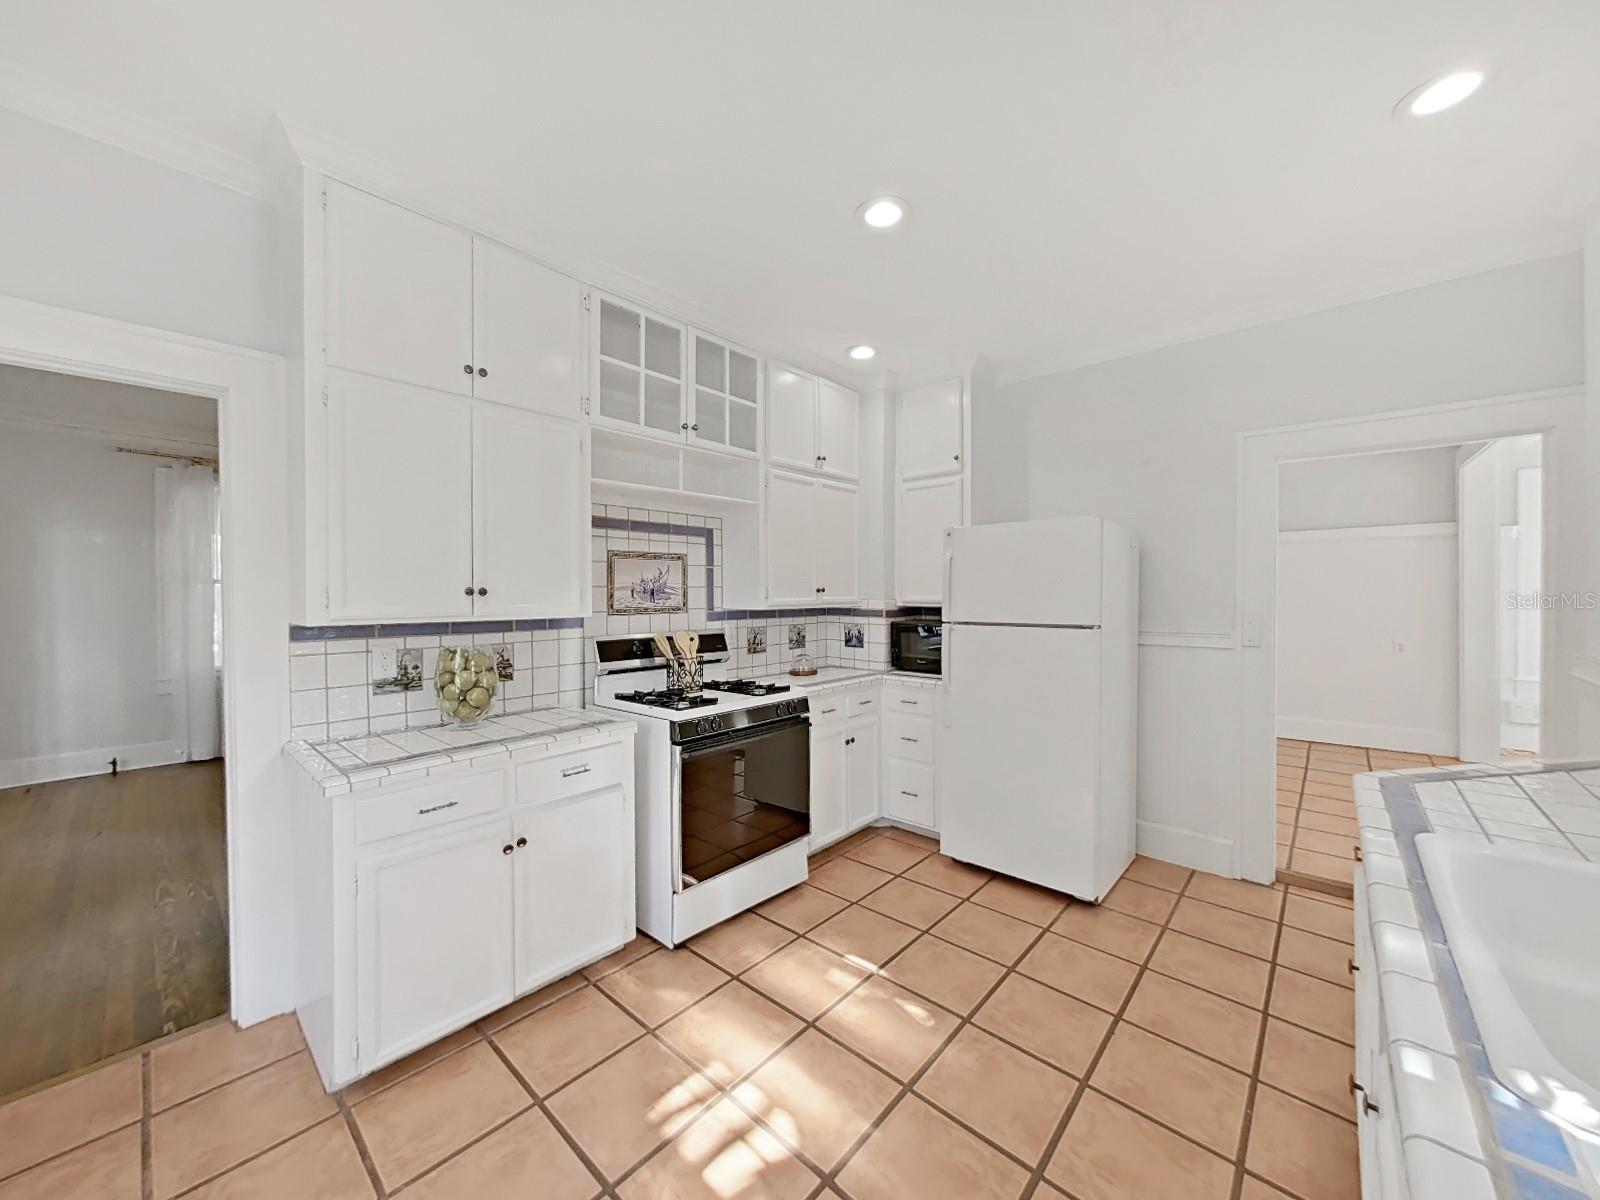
383	664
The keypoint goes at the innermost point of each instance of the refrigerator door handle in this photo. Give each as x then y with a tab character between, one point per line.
949	561
947	667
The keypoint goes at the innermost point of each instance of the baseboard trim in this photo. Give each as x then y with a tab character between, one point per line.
1186	847
19	772
1378	737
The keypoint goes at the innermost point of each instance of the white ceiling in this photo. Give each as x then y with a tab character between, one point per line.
1087	179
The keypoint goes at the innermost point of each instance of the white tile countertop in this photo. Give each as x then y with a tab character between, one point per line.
358	763
1464	1136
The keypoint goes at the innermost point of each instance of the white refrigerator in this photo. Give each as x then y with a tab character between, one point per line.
1035	759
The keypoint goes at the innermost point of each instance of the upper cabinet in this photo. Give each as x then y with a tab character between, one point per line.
443	449
812	548
398	293
414	300
725	406
812	424
931	431
639	362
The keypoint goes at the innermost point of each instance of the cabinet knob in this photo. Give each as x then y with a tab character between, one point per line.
483	591
695	427
957	457
507	848
467	367
468	590
521	842
483	372
684	426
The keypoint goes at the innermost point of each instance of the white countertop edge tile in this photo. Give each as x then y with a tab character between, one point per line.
1436	1172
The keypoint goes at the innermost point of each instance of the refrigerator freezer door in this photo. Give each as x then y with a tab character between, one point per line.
1018	757
1024	572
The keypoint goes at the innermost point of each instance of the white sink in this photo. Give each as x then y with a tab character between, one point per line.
1522	929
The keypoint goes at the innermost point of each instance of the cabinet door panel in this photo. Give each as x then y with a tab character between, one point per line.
927	509
930	430
433	940
863	770
836	531
828	811
574	883
910	794
791	417
399	500
638	371
527	332
530	514
838	429
791	538
398	293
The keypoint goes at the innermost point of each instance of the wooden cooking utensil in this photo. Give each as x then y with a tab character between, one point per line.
664	648
688	643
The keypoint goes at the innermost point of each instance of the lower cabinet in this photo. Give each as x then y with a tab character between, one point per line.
574	894
871	758
423	907
863	768
433	938
829	820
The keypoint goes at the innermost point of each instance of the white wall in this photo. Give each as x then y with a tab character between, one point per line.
1404	487
87	227
1152	441
78	603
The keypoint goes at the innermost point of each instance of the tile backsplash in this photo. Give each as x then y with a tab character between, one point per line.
343	680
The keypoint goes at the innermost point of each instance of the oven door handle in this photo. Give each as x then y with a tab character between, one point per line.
749	733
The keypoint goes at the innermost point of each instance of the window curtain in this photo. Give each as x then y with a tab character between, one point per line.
189	586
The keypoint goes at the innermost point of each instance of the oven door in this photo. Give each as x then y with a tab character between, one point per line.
740	795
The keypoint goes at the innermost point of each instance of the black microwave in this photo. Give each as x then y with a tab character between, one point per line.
916	646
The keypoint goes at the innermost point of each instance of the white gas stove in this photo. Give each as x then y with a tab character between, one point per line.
723	785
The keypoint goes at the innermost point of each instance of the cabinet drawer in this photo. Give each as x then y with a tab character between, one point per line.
571	774
910	795
389	814
862	703
908	737
827	708
915	701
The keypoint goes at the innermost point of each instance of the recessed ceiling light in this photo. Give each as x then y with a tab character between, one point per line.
862	353
884	212
1436	95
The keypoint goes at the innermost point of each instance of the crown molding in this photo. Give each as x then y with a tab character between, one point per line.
143	435
33	96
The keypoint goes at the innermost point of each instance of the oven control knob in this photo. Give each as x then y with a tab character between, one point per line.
716	723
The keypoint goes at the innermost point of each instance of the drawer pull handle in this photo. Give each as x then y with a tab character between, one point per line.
906	739
913	703
913	795
569	772
828	712
863	703
422	812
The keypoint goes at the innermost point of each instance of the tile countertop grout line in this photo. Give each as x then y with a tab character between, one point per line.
1408	817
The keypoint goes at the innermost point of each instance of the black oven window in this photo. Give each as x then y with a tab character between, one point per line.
726	821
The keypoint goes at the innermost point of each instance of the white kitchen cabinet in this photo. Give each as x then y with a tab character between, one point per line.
527	339
423	906
530	514
863	770
574	898
908	795
398	295
909	729
399	500
811	544
812	424
930	431
829	814
639	371
838	430
791	417
724	397
925	509
433	938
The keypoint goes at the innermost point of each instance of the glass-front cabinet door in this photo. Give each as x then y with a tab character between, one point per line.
639	371
725	404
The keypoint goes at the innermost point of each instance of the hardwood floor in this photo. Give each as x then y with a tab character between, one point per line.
113	916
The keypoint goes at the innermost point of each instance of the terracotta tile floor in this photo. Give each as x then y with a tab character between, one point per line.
1316	804
926	1031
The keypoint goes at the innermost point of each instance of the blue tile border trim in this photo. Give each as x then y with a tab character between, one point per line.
1524	1149
333	633
670	529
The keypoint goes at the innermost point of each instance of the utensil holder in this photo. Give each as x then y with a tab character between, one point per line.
688	675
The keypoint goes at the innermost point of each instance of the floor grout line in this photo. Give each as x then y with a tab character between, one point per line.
147	1166
363	1151
1260	1054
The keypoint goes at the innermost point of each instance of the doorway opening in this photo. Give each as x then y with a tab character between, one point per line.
1408	630
113	852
